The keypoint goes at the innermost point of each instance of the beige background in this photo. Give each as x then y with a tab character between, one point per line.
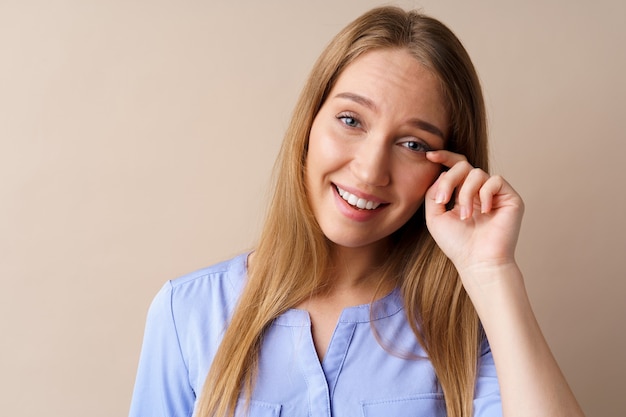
137	137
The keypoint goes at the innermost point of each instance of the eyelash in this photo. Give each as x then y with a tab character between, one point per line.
424	147
343	116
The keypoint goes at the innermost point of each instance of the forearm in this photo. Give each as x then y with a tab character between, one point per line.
531	382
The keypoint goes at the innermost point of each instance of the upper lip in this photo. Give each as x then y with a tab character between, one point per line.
361	194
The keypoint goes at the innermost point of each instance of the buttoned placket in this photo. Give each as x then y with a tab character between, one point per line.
321	378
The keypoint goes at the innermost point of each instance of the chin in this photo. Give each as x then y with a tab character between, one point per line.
356	242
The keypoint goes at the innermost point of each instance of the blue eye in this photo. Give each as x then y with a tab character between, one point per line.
349	120
416	146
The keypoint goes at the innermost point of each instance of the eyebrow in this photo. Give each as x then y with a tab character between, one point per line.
428	127
358	99
420	124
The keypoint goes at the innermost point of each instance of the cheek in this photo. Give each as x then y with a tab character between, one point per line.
419	187
318	158
315	145
311	162
324	151
420	181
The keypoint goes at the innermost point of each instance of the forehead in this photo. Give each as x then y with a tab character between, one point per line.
395	82
395	65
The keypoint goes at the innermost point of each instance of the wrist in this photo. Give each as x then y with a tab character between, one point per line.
488	282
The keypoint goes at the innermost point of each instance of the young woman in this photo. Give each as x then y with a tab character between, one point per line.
384	282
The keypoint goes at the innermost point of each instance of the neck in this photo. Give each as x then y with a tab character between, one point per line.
359	271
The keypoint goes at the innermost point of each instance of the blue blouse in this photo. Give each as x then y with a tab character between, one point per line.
357	377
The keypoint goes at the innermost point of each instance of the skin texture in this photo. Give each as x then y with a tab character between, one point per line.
369	138
364	139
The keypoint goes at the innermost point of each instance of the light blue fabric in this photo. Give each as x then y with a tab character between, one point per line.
358	377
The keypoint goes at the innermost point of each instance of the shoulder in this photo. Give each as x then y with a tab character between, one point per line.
230	272
183	330
208	292
225	278
196	308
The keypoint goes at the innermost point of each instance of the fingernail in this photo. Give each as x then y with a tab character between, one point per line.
464	213
441	196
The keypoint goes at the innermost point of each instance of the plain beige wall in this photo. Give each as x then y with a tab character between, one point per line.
137	138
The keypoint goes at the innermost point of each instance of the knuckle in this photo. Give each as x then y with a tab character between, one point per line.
477	172
466	165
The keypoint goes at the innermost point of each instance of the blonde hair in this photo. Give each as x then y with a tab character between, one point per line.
293	254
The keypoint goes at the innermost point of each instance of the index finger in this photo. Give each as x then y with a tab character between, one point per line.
445	158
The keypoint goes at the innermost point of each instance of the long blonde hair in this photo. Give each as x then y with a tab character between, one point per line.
293	254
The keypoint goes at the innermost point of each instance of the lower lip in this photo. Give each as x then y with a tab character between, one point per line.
354	213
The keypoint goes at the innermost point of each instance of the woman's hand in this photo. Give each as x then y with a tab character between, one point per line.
481	230
479	235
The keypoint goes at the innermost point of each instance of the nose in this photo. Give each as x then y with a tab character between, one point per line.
371	165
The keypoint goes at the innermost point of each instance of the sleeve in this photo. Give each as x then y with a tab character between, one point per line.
487	402
162	387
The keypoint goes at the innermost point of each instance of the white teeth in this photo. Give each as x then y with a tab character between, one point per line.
356	201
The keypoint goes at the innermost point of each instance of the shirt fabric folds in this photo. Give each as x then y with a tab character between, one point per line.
359	376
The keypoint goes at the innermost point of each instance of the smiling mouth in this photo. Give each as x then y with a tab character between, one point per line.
357	202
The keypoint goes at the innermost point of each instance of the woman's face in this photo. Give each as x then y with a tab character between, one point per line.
366	171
